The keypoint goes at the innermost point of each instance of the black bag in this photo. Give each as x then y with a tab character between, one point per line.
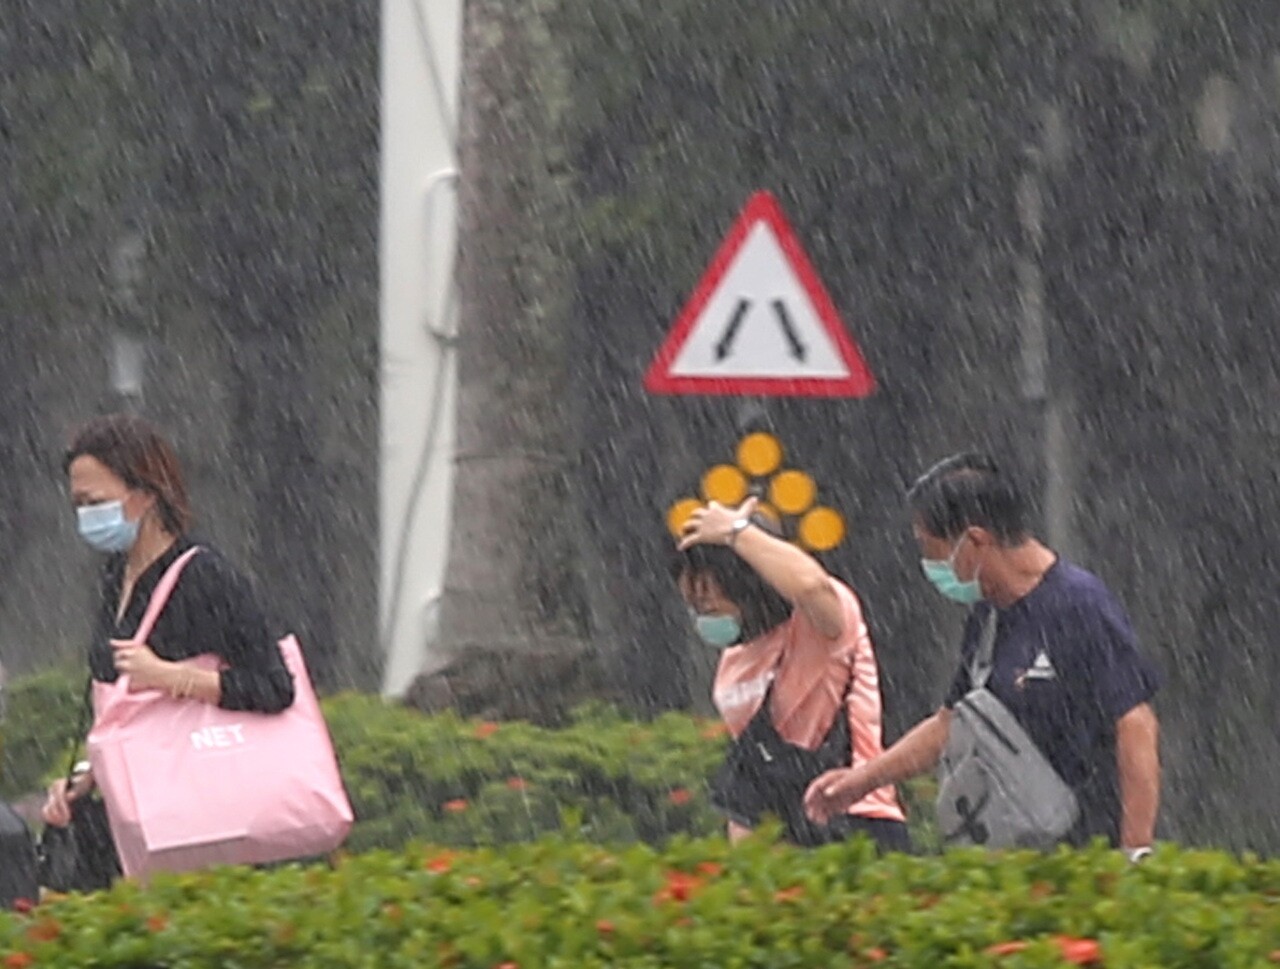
82	856
17	860
765	774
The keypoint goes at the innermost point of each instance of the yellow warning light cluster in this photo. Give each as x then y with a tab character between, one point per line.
758	470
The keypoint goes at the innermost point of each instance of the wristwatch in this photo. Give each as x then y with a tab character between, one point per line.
737	528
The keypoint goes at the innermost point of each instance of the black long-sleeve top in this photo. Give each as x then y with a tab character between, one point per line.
213	609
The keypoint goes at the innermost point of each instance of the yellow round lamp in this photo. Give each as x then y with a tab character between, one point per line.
679	513
726	484
822	529
792	492
759	454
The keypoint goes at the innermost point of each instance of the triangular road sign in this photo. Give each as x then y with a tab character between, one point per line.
760	323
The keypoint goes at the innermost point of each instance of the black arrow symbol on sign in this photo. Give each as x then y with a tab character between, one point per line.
731	331
797	348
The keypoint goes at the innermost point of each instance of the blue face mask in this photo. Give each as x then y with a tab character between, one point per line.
718	631
105	528
942	573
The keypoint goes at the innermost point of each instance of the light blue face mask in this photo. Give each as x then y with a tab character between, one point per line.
717	631
105	528
942	573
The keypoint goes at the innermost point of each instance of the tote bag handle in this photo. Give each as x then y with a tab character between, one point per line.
164	589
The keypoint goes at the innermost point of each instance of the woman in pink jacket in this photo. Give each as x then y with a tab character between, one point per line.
797	684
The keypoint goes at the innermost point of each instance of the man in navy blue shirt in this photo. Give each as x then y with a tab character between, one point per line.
1065	659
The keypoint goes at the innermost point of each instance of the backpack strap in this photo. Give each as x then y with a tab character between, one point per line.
163	590
984	656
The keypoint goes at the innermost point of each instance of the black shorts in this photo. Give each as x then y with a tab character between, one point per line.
887	835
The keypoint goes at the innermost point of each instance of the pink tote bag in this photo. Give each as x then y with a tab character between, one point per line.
188	784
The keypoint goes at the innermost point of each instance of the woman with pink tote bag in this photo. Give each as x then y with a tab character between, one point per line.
207	743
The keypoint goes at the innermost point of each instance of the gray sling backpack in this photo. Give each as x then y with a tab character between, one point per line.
996	789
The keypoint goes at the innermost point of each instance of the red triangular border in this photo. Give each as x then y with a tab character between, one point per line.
762	206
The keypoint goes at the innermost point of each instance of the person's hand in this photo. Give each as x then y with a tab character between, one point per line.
57	805
145	669
737	832
833	793
713	525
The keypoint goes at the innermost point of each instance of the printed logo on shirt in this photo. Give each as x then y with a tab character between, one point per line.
740	694
1042	669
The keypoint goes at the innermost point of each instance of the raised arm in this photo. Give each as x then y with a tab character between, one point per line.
796	575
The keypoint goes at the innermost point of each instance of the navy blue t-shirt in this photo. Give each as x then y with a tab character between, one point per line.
1066	664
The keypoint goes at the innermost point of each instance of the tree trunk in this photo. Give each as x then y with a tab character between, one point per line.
513	599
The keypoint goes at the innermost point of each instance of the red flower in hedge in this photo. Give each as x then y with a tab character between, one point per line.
507	965
680	887
456	806
710	868
486	729
605	927
1080	952
439	863
517	783
680	796
46	930
19	960
23	906
157	922
792	894
876	954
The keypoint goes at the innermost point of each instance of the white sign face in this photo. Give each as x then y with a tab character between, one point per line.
760	322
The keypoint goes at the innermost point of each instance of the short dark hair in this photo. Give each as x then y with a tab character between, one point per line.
762	606
965	490
135	451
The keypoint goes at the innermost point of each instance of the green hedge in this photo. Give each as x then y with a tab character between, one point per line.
39	721
699	904
457	782
451	781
